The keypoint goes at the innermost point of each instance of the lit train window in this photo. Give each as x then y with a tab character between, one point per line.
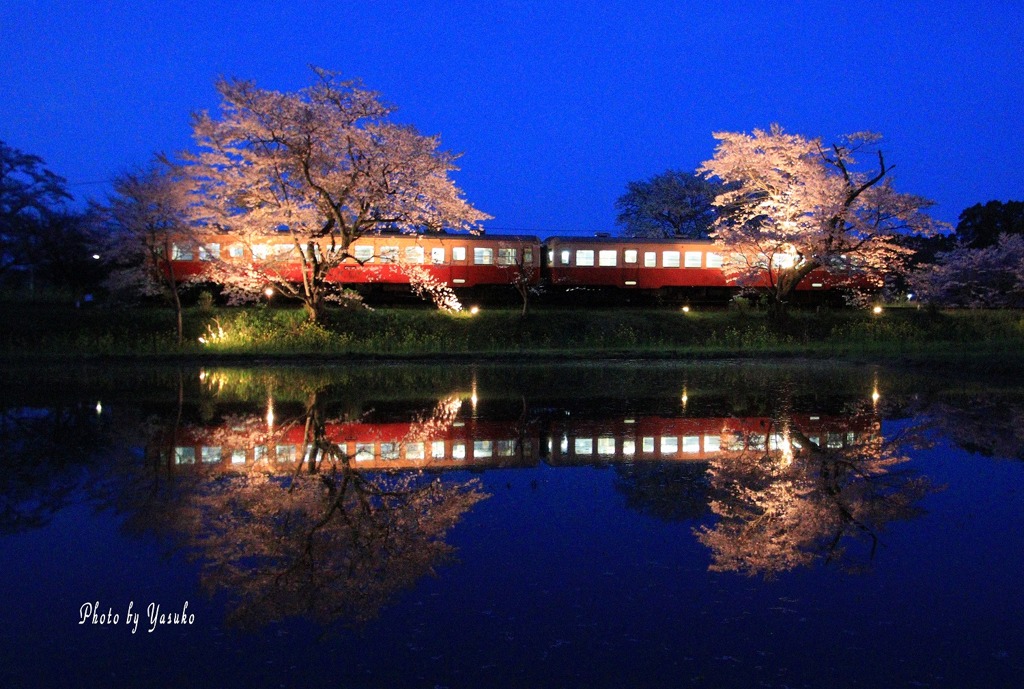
670	259
714	260
758	441
629	256
565	257
628	447
286	453
606	445
437	449
363	252
209	252
583	446
458	450
650	259
389	254
184	455
437	255
648	444
459	253
692	259
584	257
259	453
389	450
414	254
236	251
483	448
364	452
238	456
712	443
211	455
691	443
669	444
506	448
527	256
833	441
506	256
607	257
181	252
483	255
414	451
260	251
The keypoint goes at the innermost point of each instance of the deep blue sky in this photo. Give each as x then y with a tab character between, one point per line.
555	105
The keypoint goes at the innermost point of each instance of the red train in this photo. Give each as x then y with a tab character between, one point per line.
682	269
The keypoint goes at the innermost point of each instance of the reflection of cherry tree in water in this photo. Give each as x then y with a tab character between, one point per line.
324	541
791	505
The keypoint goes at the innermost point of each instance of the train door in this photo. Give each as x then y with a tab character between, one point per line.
631	267
459	265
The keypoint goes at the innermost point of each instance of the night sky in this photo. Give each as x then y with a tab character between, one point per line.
555	105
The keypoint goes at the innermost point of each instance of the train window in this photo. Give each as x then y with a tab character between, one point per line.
648	444
712	443
238	456
483	255
629	256
714	260
181	252
437	255
669	444
184	455
670	259
565	257
259	453
414	451
483	448
458	450
584	257
692	259
236	251
782	260
210	454
286	453
414	254
209	252
606	445
282	250
650	259
528	256
363	253
458	253
506	256
757	441
389	254
506	448
364	452
607	257
437	449
583	446
691	443
260	251
628	447
389	450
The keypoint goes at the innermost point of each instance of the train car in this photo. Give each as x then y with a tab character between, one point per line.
685	269
383	260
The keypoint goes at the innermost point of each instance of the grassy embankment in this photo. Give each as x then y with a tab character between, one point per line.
46	330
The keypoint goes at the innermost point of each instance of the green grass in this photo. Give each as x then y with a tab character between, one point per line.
31	330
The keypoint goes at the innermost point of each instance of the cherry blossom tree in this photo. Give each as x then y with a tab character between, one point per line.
989	277
147	218
306	174
796	204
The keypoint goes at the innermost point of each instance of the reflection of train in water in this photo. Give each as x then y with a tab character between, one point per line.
481	444
685	269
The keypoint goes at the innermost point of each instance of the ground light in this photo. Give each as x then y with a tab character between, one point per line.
686	309
474	310
269	292
877	310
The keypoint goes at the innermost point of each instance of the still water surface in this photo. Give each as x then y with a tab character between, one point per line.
649	525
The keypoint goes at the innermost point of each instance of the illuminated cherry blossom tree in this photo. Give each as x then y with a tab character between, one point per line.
306	174
988	277
147	221
796	204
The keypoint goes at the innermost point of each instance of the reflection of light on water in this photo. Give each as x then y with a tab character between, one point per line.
875	396
685	397
270	413
99	407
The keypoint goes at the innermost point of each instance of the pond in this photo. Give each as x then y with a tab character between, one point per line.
727	524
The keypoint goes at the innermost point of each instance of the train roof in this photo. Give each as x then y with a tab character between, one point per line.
601	239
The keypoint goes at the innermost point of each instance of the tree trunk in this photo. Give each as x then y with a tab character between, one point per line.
177	311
